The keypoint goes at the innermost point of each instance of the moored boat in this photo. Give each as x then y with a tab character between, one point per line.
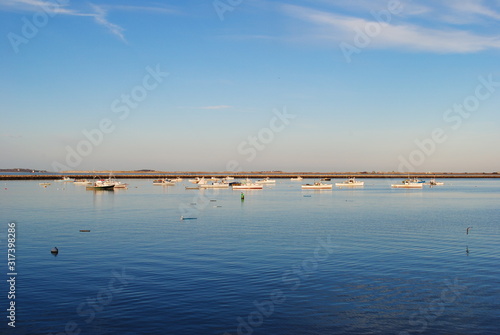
350	182
408	183
433	182
102	184
317	186
82	182
266	181
65	179
163	182
248	185
298	178
215	184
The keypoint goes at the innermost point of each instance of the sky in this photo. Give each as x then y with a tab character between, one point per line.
252	85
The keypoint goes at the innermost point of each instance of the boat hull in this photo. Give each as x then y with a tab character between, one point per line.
214	186
247	187
356	184
101	188
415	185
317	187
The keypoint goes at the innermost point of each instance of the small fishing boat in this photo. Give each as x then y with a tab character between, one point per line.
101	184
215	184
44	184
408	183
317	186
163	182
298	178
82	182
248	185
350	182
266	181
118	184
65	179
195	181
433	182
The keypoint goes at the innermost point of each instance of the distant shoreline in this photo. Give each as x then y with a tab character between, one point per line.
247	174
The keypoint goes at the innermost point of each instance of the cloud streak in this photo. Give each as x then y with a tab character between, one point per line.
100	18
98	12
325	26
216	107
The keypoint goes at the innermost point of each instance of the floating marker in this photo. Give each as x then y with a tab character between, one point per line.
54	250
84	230
242	196
183	218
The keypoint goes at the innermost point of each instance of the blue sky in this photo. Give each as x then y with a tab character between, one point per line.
360	85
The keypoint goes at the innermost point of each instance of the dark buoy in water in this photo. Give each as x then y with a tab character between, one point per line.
242	196
467	230
54	250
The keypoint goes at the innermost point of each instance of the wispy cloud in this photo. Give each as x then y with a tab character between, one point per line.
148	9
100	18
398	33
49	7
98	12
216	107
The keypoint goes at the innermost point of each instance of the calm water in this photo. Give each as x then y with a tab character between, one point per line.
283	261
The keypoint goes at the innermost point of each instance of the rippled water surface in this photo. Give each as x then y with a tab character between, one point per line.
373	260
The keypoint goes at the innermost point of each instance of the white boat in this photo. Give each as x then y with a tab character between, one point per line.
118	184
408	183
163	182
195	181
215	184
350	182
433	182
248	185
82	181
102	184
298	178
266	181
176	180
64	179
229	178
317	186
416	180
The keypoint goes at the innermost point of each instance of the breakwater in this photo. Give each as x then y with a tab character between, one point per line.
242	175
